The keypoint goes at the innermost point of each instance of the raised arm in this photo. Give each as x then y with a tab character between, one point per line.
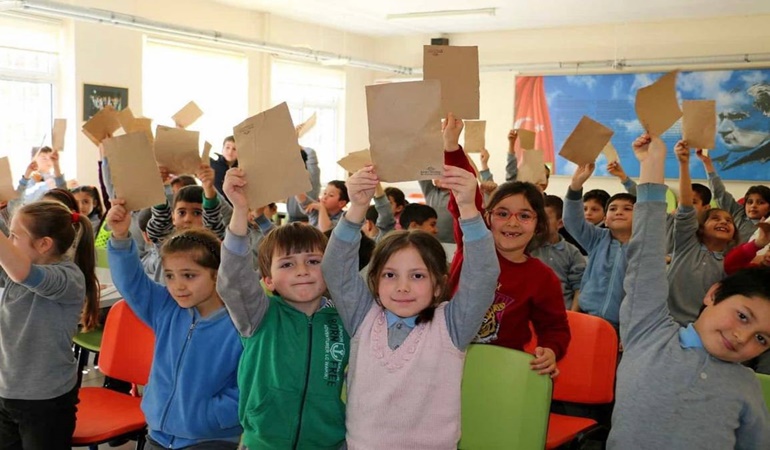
616	169
212	207
348	289
585	233
645	308
237	282
145	297
386	222
682	152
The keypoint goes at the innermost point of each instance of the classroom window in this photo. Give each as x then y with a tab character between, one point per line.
309	89
216	80
29	67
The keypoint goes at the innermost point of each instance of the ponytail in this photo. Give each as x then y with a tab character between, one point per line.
85	258
73	237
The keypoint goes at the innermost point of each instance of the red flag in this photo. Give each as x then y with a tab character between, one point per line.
530	112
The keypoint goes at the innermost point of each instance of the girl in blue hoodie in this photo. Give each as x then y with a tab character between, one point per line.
191	399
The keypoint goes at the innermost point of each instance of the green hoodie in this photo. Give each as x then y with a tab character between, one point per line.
290	378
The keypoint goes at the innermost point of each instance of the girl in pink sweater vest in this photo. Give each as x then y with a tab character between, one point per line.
408	344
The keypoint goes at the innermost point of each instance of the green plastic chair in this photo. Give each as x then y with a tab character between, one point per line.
505	404
90	341
764	381
101	258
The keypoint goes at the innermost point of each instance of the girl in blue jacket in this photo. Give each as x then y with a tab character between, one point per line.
191	399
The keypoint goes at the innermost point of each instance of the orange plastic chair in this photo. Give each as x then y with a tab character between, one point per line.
587	376
126	354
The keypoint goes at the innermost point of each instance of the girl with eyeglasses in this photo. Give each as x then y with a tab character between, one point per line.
527	289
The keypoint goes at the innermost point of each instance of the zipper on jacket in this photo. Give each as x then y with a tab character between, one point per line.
176	374
307	379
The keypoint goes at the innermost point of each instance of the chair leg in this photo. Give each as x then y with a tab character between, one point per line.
140	442
82	363
93	447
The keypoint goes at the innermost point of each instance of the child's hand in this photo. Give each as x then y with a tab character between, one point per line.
463	185
487	187
165	175
581	175
763	238
451	129
614	168
31	168
55	158
206	175
119	219
708	164
361	186
641	145
682	151
512	136
484	159
315	206
545	362
234	187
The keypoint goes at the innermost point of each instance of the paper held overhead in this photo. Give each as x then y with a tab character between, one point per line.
7	191
457	68
57	134
526	138
699	123
265	142
187	115
306	126
586	141
102	125
405	130
131	155
354	161
177	150
532	167
656	105
475	135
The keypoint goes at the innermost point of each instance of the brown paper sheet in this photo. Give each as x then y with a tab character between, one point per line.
57	134
585	143
405	130
611	153
144	125
126	119
307	125
205	158
7	191
134	173
177	150
532	168
354	161
526	139
656	105
699	123
102	125
187	115
268	153
457	68
475	136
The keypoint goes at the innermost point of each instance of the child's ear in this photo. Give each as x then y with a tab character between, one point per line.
486	219
269	283
43	245
437	289
560	224
708	299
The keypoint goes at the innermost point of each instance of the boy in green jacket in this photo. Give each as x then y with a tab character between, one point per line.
295	349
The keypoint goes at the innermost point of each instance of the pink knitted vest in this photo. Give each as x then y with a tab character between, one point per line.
408	398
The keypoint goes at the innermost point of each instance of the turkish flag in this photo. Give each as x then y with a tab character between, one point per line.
530	111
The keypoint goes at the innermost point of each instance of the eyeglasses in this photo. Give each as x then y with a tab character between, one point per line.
504	215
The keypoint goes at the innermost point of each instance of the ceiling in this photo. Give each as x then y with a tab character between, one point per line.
369	17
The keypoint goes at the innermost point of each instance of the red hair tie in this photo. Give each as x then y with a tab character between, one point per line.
75	217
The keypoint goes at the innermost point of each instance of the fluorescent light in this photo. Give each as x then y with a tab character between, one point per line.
335	62
444	13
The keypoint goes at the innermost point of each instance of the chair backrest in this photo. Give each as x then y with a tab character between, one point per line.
101	258
764	381
505	404
127	346
587	371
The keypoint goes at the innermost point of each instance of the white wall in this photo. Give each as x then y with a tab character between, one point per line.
672	39
109	55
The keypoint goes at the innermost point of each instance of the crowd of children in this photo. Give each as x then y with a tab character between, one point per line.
347	328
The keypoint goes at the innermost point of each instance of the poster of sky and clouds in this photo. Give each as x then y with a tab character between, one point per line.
743	117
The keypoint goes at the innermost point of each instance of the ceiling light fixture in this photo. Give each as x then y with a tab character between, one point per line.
445	13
